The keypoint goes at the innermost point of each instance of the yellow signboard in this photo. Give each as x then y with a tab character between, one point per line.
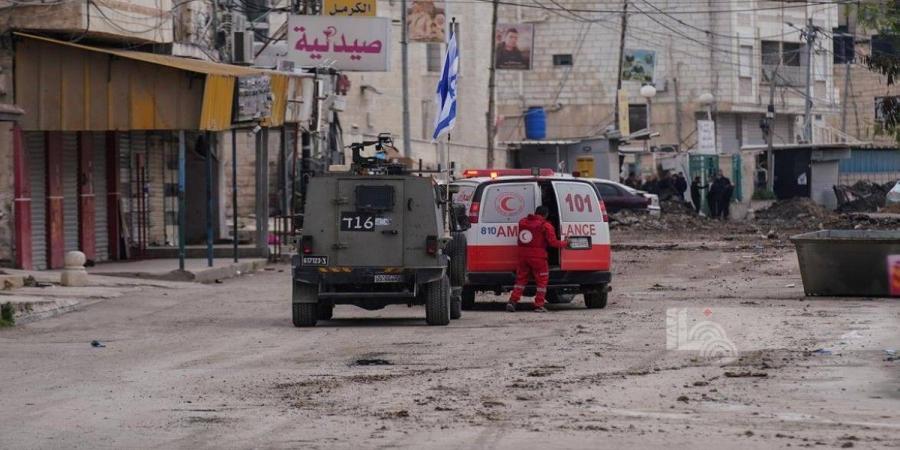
624	125
354	8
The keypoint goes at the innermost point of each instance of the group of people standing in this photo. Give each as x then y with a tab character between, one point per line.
719	196
667	186
670	186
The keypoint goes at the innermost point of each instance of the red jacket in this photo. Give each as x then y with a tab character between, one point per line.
535	234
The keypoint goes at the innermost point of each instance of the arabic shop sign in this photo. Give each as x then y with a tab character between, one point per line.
342	43
353	8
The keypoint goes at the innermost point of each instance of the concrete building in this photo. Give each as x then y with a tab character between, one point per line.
90	141
373	103
727	49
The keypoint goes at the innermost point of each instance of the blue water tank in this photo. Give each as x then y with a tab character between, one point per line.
535	123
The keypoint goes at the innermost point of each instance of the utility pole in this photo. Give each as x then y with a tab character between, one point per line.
491	89
621	60
810	35
770	132
404	57
678	130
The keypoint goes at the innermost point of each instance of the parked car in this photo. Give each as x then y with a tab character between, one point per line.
496	205
618	197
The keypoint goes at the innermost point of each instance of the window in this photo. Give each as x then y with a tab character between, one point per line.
885	45
886	104
433	57
507	203
607	190
562	60
637	117
786	56
843	48
577	202
746	61
821	66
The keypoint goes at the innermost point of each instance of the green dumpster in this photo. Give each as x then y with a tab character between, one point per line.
854	263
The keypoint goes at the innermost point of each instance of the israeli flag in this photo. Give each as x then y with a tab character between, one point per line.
445	97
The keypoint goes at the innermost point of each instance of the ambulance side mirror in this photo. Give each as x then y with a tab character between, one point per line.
460	218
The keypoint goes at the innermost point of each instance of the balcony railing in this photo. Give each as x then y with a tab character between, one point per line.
786	75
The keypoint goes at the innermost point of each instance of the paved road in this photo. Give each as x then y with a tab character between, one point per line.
221	366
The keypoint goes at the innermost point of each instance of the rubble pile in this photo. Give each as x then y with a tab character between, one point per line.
676	207
800	210
863	196
663	222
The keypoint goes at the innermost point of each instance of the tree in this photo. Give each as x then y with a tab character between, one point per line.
883	17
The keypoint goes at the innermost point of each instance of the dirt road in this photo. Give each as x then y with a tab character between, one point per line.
221	366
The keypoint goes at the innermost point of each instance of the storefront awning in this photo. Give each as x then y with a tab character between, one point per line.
64	86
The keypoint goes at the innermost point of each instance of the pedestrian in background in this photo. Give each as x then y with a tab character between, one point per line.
696	187
680	186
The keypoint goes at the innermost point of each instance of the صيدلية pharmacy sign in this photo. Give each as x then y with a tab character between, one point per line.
342	43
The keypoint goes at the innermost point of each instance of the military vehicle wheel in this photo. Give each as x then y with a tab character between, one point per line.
305	314
456	304
457	252
595	298
468	299
325	312
437	302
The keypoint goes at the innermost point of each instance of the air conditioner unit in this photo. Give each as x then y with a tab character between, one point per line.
241	41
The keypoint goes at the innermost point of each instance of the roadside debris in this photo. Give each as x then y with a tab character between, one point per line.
746	374
862	196
822	352
97	344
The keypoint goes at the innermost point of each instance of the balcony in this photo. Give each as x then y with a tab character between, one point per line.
787	75
138	21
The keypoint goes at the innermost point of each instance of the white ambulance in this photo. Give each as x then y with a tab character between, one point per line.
497	200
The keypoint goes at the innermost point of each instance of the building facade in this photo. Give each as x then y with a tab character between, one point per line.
90	142
686	50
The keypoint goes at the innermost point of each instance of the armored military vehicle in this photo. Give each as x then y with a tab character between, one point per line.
375	236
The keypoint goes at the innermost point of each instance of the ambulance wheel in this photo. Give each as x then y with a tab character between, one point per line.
325	312
596	297
437	302
457	252
305	314
468	299
456	304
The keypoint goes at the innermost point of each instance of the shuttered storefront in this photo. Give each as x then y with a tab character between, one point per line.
36	163
124	142
101	235
70	191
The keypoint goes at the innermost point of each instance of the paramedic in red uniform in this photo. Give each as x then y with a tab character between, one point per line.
535	234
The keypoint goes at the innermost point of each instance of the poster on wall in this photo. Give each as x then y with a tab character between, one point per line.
342	43
514	44
351	8
638	65
425	21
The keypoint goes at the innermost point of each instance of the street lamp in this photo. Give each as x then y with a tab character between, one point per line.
707	100
648	91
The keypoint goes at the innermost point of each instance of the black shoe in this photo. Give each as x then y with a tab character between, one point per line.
540	310
510	307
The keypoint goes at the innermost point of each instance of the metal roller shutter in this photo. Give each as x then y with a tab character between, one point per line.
70	191
101	234
125	179
36	162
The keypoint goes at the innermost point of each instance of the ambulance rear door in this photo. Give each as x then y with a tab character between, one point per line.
581	217
493	240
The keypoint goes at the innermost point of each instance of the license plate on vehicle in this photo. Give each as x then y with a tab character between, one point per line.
382	278
315	260
580	243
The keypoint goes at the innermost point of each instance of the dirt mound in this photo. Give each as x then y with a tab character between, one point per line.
800	208
676	207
